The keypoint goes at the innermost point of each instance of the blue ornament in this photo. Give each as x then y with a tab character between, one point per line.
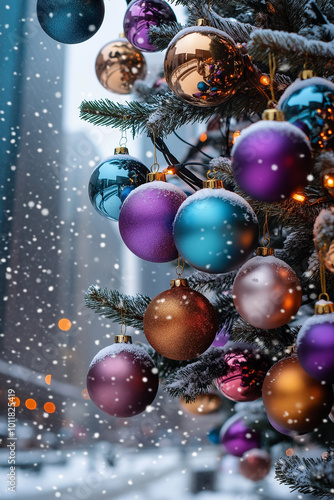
202	86
112	181
311	102
215	230
70	21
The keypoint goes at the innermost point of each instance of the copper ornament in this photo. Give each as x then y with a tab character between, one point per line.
204	404
203	66
293	399
118	65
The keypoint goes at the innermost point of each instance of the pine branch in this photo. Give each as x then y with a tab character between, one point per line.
205	282
197	377
239	32
307	475
161	36
165	366
291	49
225	309
112	305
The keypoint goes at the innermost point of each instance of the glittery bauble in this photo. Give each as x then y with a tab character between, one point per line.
118	65
246	369
122	380
293	399
215	230
237	437
271	160
203	66
311	102
204	404
146	220
70	21
315	347
255	464
140	16
267	292
112	181
180	323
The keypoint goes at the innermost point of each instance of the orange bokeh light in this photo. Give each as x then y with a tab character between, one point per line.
203	137
298	197
289	452
264	80
64	324
48	379
50	407
14	401
85	394
31	404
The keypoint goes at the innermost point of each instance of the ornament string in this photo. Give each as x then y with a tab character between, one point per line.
155	165
272	71
124	139
123	318
180	266
323	283
266	233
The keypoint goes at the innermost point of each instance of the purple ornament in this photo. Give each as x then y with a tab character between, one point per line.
140	16
237	438
122	380
286	432
146	220
271	160
315	347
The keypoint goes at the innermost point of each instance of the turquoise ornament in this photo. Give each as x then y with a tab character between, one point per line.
215	230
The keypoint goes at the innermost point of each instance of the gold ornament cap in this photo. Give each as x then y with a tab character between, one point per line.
155	176
203	22
273	115
324	307
121	150
213	184
119	339
179	282
265	251
306	74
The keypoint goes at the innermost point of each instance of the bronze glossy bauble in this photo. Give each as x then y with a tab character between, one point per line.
293	399
204	404
180	323
203	66
118	65
255	464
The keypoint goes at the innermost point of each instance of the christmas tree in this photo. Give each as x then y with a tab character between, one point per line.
266	67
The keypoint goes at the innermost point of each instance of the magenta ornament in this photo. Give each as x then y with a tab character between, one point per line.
140	16
246	369
271	160
146	220
237	437
315	346
122	380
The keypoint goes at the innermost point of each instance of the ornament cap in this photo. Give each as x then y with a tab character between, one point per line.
213	184
265	251
155	176
273	115
203	22
121	150
306	74
324	307
119	339
179	282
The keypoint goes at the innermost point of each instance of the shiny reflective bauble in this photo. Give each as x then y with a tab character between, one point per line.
293	399
112	181
246	369
315	347
140	15
215	230
255	464
146	220
122	380
237	437
267	292
73	21
204	404
118	65
311	102
180	323
203	66
270	160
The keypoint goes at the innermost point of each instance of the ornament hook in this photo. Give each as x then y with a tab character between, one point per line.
180	266
124	139
155	165
266	233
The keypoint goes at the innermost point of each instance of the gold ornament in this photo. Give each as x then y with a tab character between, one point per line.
328	258
180	323
203	404
293	399
118	65
203	66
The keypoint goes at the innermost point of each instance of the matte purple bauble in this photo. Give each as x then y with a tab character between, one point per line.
146	220
271	160
122	380
315	347
140	16
237	438
246	369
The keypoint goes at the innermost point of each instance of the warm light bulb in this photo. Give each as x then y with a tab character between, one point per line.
298	197
264	80
236	134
